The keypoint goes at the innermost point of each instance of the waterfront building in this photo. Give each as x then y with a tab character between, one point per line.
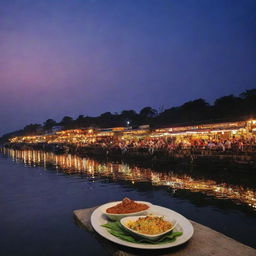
245	130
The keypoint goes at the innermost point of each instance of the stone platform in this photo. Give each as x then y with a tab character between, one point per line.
205	242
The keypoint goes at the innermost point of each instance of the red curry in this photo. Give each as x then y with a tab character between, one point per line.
127	206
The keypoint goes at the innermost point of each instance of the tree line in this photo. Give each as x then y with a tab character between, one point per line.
227	108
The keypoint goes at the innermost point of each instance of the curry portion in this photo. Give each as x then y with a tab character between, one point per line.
127	206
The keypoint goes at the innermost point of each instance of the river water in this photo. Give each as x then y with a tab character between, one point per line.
39	190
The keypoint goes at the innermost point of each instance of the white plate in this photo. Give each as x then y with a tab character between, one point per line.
98	219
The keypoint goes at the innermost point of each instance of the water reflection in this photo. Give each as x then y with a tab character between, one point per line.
72	164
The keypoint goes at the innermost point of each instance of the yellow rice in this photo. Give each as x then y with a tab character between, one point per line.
150	225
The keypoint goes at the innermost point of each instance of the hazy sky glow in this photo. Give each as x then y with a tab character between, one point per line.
63	57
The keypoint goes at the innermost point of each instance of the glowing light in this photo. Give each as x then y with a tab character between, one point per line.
74	164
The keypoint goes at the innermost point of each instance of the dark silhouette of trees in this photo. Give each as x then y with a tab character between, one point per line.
67	122
108	119
129	117
226	108
147	115
33	129
49	123
194	110
79	122
80	118
190	111
106	115
249	102
148	112
129	114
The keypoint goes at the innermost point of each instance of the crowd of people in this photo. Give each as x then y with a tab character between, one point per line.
174	144
152	143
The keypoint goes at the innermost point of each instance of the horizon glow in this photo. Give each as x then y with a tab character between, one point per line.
77	57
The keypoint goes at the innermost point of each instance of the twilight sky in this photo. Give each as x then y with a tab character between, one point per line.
72	57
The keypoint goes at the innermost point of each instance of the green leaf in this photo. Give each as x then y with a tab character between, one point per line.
113	226
173	235
123	236
116	229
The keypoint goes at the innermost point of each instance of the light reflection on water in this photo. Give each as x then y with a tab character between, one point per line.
72	164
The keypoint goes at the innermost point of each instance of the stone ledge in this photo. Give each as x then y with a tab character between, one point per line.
205	242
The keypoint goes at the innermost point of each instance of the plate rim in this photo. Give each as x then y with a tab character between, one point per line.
98	214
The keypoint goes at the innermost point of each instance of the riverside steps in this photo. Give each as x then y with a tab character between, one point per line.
204	242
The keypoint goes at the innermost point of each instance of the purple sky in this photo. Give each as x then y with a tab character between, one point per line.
63	57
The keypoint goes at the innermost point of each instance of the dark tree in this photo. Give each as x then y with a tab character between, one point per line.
249	94
66	120
128	114
33	129
228	107
80	118
249	102
195	110
106	115
148	112
190	111
129	117
49	123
